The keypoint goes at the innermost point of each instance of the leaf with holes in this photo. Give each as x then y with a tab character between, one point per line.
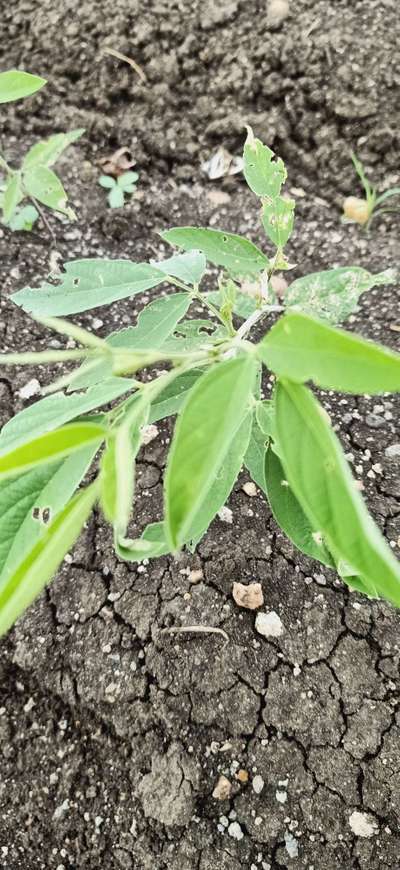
236	254
263	174
47	152
277	219
20	588
32	500
88	284
333	295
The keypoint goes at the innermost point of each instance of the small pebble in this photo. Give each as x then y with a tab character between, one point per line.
363	825
149	433
222	789
250	596
226	515
235	831
393	451
269	624
250	489
258	784
32	388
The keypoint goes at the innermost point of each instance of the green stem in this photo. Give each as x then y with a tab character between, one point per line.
196	294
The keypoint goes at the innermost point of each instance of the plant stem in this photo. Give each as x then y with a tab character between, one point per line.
197	294
257	315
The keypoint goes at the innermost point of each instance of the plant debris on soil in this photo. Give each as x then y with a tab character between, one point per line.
118	741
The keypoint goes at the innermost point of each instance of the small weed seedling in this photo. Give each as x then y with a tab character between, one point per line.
117	188
211	380
34	180
363	211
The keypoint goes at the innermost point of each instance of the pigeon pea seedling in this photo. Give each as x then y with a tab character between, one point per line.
34	180
211	381
119	187
363	211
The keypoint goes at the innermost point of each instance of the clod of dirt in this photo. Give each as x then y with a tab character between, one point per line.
363	825
269	624
167	792
222	789
250	596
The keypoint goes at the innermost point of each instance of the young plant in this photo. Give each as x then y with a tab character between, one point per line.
363	211
211	380
34	180
119	187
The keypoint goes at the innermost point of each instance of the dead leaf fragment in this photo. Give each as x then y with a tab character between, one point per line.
222	789
250	596
222	163
279	285
117	163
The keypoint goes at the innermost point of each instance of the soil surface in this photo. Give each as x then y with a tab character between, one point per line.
314	82
112	735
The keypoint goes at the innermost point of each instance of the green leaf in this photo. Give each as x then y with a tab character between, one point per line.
12	196
24	218
317	471
301	348
88	284
264	175
50	447
235	253
127	179
277	218
203	436
392	191
193	334
254	459
47	152
118	469
116	197
150	545
15	85
30	501
42	184
155	323
171	399
188	267
221	487
107	181
289	514
265	415
334	294
53	411
244	305
39	565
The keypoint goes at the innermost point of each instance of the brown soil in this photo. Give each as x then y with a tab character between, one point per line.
112	737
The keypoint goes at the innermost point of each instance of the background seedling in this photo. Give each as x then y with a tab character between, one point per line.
363	211
34	180
119	187
211	380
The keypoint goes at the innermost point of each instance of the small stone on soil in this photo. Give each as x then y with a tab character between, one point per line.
269	624
222	789
235	831
250	596
250	489
226	515
258	784
363	825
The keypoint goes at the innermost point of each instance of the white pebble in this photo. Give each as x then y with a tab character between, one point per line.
149	433
291	844
32	388
226	515
235	831
269	624
258	784
362	824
